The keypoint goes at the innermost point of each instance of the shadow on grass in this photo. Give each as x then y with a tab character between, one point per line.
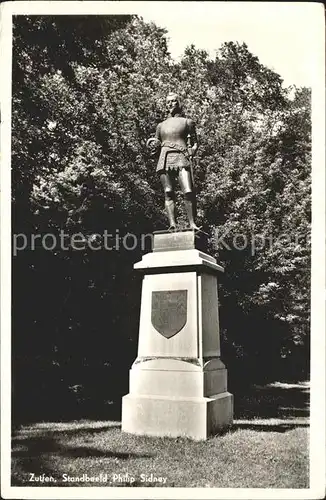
31	447
34	450
286	401
281	427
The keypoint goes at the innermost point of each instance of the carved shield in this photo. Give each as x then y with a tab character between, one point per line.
169	311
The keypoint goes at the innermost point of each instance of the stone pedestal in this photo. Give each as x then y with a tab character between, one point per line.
178	384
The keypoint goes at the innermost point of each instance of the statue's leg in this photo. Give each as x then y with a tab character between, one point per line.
168	186
189	195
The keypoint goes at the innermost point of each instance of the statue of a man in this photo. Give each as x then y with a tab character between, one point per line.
177	139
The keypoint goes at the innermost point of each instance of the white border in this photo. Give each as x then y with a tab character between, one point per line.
315	14
318	286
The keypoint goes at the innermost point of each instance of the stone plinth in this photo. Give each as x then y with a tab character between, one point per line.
178	384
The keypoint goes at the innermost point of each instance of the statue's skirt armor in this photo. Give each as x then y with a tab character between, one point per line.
172	157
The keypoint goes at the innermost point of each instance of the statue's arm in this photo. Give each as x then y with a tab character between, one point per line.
154	143
192	136
158	132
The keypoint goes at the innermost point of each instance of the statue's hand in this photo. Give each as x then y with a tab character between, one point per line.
153	144
191	152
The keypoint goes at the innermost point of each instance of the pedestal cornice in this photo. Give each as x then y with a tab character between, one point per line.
178	260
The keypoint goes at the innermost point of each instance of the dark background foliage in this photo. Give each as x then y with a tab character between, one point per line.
87	93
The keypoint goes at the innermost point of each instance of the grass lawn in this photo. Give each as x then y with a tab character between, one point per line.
269	452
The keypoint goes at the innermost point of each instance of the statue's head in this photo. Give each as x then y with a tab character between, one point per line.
173	103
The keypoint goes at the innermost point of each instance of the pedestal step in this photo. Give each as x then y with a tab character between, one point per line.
196	418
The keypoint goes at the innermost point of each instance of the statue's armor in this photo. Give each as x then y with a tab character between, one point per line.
178	141
173	134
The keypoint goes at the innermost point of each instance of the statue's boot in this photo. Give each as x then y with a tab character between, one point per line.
190	209
170	209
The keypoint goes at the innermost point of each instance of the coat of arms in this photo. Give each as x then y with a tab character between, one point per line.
169	311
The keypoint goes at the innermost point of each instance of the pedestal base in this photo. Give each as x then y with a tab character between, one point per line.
196	418
178	383
174	397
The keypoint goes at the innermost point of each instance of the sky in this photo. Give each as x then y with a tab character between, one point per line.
287	37
284	36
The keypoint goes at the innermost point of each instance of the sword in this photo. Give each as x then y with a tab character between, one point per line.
191	160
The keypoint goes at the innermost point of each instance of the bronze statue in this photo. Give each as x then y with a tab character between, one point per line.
176	136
